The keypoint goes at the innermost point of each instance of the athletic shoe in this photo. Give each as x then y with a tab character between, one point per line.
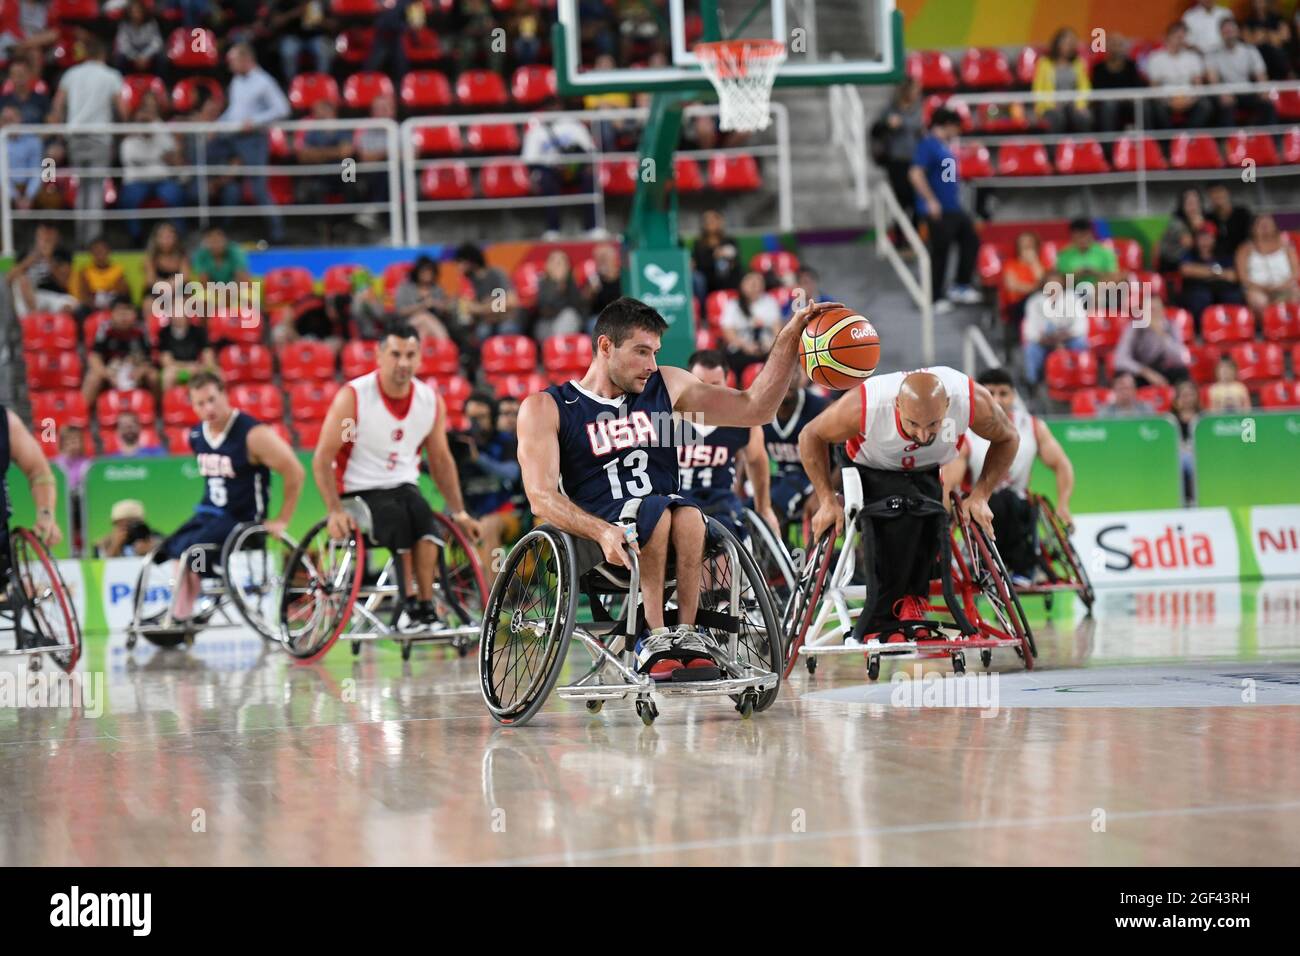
965	295
427	613
695	655
413	612
911	608
942	307
1020	581
655	655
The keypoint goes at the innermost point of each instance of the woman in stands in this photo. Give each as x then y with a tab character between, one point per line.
1061	70
1267	267
1177	241
164	261
1022	277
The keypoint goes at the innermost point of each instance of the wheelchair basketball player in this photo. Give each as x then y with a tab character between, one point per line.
791	489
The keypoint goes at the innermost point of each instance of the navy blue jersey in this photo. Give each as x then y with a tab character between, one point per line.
232	485
613	450
706	459
782	437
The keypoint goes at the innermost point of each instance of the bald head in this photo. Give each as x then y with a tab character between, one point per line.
922	403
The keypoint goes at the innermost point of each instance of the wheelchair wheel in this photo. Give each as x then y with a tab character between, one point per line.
156	585
755	621
772	558
321	582
253	562
802	607
48	617
981	569
527	626
461	592
1062	559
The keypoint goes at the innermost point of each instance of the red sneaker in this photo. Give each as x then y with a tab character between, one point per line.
911	608
664	669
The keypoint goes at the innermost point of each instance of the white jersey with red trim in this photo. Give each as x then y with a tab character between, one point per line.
882	444
1022	466
389	433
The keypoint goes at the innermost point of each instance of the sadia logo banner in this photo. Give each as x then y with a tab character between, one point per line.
1154	547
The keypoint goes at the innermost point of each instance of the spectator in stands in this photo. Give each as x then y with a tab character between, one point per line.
183	348
100	282
716	256
119	357
1238	62
165	264
88	95
255	100
494	307
1186	408
1203	21
308	318
1052	322
1153	352
1086	259
1177	241
1021	277
1232	221
547	143
25	33
935	178
470	36
420	301
1061	70
371	146
325	147
606	282
524	27
32	107
130	536
1116	72
599	27
895	136
611	134
489	473
1267	267
41	277
361	309
303	25
24	157
1208	279
138	46
72	458
219	260
1178	65
193	13
807	288
147	159
1269	33
132	442
560	305
394	19
207	149
750	323
1227	393
60	194
1124	400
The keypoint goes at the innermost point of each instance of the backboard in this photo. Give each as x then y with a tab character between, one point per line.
651	42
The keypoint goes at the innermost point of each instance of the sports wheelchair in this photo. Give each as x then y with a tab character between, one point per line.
532	615
35	604
332	590
973	584
1060	563
773	559
239	583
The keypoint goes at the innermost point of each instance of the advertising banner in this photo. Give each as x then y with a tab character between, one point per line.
1157	547
661	278
1120	464
1247	460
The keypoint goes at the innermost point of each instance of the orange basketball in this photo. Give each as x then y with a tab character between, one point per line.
840	349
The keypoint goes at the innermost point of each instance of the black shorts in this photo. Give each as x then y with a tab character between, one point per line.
204	529
399	516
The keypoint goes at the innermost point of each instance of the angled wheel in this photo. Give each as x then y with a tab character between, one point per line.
982	567
460	592
155	590
48	617
253	562
527	625
321	583
1063	562
772	558
802	607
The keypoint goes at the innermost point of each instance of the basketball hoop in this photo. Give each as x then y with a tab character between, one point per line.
742	71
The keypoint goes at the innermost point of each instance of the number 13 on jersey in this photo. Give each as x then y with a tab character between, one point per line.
635	465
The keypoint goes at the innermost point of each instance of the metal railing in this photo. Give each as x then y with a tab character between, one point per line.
414	165
975	348
886	212
849	133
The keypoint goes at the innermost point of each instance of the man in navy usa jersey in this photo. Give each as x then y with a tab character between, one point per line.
706	459
599	452
236	454
791	487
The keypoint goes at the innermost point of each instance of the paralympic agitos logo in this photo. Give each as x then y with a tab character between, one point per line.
1171	549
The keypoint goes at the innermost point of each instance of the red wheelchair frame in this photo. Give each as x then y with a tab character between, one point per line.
1057	557
36	605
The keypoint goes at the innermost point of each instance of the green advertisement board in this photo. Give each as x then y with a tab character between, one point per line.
1247	459
24	508
661	278
1120	464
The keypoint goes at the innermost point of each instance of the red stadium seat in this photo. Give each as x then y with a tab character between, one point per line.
1287	104
750	373
72	11
454	391
338	278
109	440
520	386
177	408
989	264
1085	401
308	434
49	332
1204	360
90	326
395	273
421	46
49	370
306	360
736	173
1159	397
65	407
933	69
780	263
1280	395
135	86
1194	152
932	103
1026	64
437	140
177	438
229	327
67	50
439	358
353	46
114	402
186	51
505	179
1258	363
1104	332
493	138
715	304
425	91
362	89
1154	281
358	358
286	285
973	162
308	89
185	92
532	85
1222	324
263	401
481	89
244	362
986	68
1291	147
1083	157
446	181
1066	371
309	401
356	9
1281	323
508	355
1023	159
1000	118
527	278
686	174
1259	147
566	356
1181	320
1127	251
618	177
1125	158
280	148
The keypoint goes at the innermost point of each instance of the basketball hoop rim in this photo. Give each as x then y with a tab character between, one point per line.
741	52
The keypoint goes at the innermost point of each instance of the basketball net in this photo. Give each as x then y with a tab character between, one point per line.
742	72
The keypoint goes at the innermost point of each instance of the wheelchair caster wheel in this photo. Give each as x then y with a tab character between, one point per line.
647	711
746	705
811	664
130	642
406	650
1047	603
356	648
594	706
463	649
873	666
959	663
986	658
35	663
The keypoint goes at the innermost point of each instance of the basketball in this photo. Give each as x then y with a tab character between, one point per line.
840	349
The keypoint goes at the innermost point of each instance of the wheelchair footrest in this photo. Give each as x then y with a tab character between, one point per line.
723	687
37	649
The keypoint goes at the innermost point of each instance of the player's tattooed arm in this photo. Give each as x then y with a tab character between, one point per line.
841	421
271	450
